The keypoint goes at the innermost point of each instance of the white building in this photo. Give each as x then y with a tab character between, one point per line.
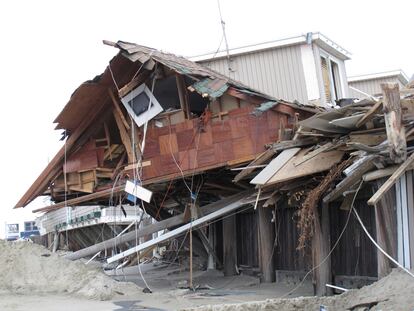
308	68
371	83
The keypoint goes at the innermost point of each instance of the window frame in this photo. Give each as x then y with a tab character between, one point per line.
143	117
335	80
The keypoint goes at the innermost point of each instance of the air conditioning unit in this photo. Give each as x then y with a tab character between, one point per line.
141	104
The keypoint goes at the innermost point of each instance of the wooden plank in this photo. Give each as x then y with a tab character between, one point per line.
391	181
374	175
274	166
369	139
314	153
393	122
348	122
263	157
126	141
232	206
322	162
158	226
369	114
365	165
118	110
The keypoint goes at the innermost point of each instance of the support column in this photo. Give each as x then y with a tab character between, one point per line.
229	246
320	249
385	225
266	241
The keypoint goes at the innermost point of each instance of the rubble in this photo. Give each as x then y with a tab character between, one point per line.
27	268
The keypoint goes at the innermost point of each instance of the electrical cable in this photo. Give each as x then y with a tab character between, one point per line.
379	247
332	249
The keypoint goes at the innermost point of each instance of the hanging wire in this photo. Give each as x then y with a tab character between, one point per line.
332	249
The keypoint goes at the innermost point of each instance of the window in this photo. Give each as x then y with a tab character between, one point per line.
141	104
331	79
29	226
12	228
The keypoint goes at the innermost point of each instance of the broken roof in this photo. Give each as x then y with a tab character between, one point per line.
91	98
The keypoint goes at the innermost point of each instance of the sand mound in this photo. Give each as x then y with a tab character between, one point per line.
394	292
27	268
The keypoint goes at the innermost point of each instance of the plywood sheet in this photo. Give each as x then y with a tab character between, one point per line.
168	144
221	131
322	162
274	166
186	140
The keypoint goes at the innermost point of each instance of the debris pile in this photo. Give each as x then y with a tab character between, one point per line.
334	151
27	268
393	292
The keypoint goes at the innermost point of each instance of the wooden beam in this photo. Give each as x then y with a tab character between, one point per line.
243	96
229	246
183	95
365	165
266	241
126	141
369	114
391	181
320	250
386	226
232	206
393	121
138	80
55	165
118	109
76	201
152	228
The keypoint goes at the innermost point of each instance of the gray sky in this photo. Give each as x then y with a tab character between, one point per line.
49	47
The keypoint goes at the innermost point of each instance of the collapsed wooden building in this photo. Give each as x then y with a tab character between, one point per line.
261	184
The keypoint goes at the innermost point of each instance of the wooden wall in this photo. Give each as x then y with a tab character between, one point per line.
355	253
237	138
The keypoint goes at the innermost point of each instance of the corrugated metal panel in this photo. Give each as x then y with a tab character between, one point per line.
371	86
277	72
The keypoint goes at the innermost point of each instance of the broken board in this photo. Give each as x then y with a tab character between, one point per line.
322	162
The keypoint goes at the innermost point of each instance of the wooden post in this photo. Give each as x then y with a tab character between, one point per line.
183	95
266	241
393	122
320	250
386	230
229	245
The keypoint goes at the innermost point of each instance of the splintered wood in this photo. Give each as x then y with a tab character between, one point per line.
306	213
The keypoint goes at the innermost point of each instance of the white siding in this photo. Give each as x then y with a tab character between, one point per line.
371	86
277	72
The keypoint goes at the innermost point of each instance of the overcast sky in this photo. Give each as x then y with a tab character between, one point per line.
49	47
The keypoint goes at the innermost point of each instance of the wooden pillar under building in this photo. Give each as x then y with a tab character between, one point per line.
266	241
229	245
386	229
320	249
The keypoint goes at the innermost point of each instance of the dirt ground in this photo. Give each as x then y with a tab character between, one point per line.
31	278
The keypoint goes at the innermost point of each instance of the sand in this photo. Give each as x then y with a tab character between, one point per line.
394	292
27	269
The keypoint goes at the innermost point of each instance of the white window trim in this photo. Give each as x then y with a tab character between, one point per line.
309	71
330	58
152	110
